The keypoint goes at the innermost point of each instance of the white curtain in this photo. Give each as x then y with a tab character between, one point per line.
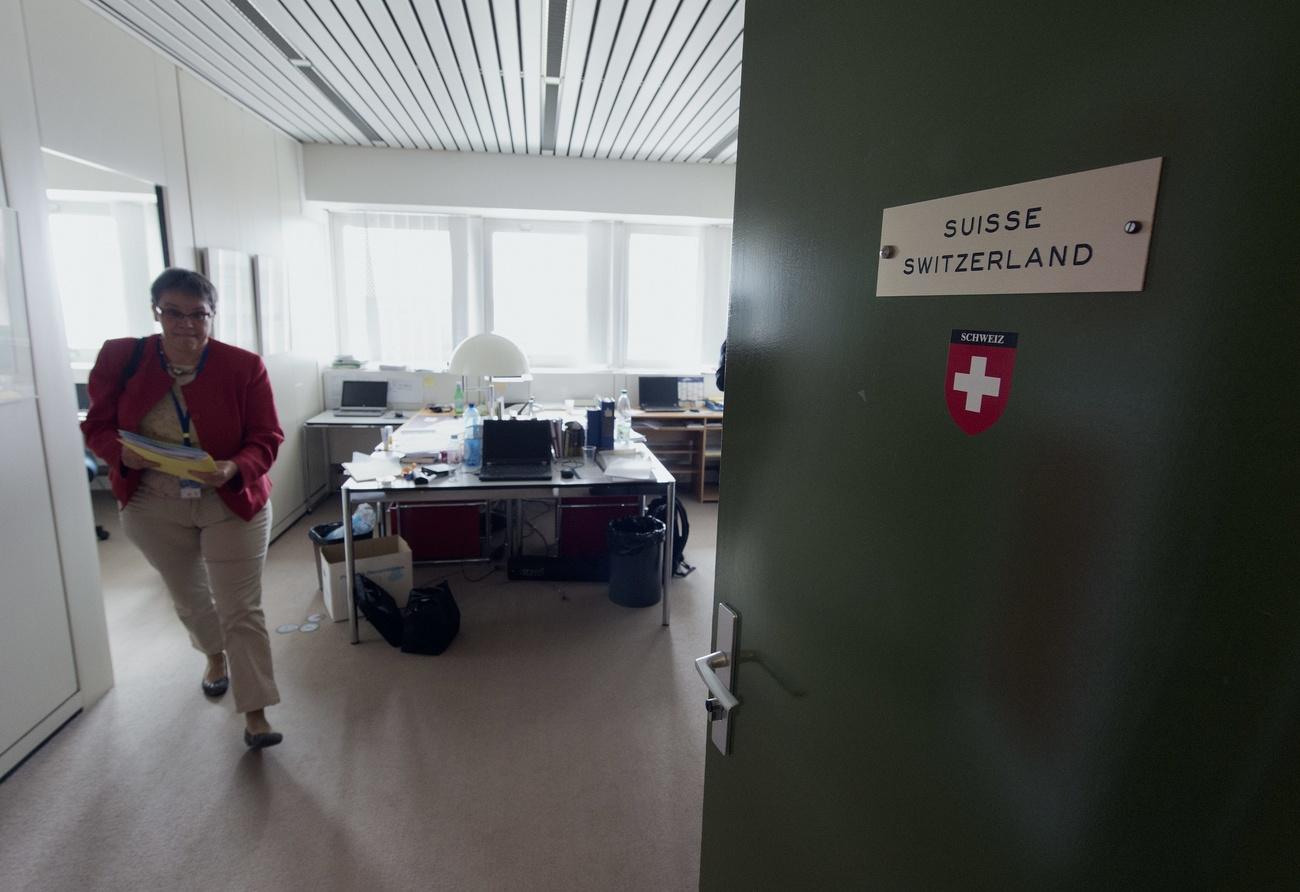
394	278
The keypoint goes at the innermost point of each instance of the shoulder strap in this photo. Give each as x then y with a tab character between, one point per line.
133	363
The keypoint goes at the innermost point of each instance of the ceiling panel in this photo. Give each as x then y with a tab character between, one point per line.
649	79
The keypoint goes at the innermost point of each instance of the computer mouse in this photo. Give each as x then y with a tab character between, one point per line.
398	415
567	473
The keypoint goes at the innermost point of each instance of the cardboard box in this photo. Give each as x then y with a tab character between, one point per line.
386	561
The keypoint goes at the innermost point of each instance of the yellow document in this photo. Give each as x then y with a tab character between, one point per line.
179	461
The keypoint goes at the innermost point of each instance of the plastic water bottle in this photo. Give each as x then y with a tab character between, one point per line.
459	400
623	421
473	438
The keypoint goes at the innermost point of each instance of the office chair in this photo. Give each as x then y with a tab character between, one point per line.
92	471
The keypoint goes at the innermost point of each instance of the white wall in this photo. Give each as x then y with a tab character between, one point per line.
489	183
231	180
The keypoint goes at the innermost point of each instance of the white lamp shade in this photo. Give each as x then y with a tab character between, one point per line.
488	355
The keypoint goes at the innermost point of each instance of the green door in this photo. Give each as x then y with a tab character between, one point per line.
1065	652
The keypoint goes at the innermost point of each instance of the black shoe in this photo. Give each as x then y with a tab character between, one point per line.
216	688
263	740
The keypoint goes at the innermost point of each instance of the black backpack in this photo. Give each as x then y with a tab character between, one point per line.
379	609
681	532
430	621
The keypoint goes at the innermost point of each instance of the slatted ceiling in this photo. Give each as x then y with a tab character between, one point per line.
506	36
171	28
702	92
330	26
403	56
282	73
582	22
649	43
326	61
205	28
485	36
667	55
595	76
427	40
646	79
703	42
715	140
365	29
528	31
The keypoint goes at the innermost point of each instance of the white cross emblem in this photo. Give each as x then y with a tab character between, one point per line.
975	384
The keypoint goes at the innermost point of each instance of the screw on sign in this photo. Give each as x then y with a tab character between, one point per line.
977	384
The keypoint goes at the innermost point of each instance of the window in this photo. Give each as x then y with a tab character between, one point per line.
538	292
664	310
106	252
599	294
394	274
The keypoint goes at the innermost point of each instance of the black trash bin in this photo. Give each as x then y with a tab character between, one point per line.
320	535
635	549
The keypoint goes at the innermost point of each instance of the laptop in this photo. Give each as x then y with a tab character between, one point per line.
516	450
363	398
658	394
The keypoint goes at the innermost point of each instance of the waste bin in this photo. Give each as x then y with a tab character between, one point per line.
635	549
328	534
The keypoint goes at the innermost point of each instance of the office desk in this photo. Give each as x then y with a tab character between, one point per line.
688	443
465	485
319	426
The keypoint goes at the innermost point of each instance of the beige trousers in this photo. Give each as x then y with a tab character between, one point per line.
212	563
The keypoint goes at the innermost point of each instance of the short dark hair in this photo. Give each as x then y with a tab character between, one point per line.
187	282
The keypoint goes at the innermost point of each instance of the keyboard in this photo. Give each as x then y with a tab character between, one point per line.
530	471
361	411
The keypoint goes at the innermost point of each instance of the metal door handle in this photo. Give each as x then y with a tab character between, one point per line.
721	701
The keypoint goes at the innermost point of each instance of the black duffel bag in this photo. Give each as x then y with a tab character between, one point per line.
430	621
379	609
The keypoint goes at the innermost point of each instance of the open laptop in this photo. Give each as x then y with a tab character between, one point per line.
363	398
658	394
516	450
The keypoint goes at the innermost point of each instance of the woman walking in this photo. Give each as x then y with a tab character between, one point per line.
207	539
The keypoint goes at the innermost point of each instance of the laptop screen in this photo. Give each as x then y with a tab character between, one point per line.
657	390
365	394
516	442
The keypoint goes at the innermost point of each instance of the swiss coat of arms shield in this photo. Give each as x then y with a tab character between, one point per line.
978	381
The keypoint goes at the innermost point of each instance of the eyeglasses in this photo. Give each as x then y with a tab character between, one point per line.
199	318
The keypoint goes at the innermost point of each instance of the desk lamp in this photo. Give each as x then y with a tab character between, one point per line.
489	356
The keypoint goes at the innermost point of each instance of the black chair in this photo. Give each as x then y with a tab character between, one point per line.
92	471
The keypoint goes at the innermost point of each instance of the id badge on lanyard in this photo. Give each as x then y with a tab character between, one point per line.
190	489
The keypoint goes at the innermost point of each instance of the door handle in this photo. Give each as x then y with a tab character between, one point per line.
718	670
721	701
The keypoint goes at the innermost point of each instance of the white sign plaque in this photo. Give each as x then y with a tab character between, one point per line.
1084	231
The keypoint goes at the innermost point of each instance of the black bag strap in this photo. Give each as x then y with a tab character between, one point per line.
133	364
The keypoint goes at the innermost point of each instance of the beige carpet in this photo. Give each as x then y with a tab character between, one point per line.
559	744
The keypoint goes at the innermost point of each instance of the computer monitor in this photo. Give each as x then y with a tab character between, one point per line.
364	395
83	396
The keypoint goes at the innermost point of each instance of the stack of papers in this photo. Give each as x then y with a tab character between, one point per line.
171	458
377	466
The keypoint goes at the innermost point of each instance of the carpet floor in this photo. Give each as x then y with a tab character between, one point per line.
558	744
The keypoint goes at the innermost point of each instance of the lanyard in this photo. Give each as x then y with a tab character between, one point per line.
182	414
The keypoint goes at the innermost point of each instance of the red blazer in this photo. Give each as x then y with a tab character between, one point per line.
230	403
